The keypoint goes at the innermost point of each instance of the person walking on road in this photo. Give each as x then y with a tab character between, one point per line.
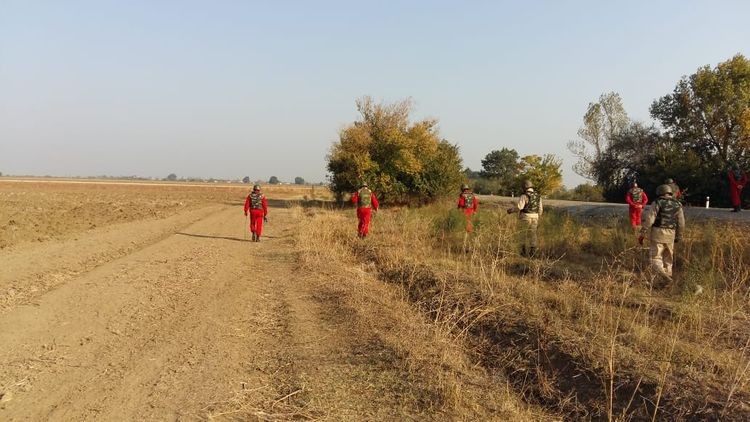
467	201
636	199
737	181
676	191
529	207
664	225
366	202
256	205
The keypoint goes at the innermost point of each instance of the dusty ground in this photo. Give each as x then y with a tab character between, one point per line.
163	311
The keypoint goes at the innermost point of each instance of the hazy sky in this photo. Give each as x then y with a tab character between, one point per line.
233	88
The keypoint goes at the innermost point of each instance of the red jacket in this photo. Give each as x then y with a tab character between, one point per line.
263	202
462	202
734	183
373	200
629	199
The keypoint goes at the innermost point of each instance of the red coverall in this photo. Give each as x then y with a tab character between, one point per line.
469	209
364	213
636	208
735	188
256	215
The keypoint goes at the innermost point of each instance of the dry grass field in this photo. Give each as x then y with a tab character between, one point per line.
585	331
145	301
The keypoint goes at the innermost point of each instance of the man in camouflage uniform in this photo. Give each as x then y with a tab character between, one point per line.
366	202
467	201
636	199
256	205
529	207
664	223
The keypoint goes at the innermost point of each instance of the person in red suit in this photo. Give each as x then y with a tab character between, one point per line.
256	205
467	201
737	181
366	202
636	199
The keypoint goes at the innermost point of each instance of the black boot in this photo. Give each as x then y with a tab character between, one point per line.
253	237
523	250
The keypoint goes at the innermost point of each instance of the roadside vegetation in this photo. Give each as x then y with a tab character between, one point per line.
584	331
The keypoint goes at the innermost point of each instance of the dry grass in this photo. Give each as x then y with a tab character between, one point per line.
578	331
440	380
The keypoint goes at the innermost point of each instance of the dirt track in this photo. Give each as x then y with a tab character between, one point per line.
178	318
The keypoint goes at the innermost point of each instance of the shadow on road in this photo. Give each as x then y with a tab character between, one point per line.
235	239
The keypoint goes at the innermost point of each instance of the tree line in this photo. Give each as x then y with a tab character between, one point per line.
701	130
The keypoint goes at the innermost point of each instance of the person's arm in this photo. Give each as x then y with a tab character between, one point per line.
644	198
680	225
247	204
476	203
629	199
732	180
355	198
265	206
519	205
374	200
648	219
744	179
461	201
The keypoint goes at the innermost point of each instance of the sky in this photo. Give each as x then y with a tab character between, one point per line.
228	89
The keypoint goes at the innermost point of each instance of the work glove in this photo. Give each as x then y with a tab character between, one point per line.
265	219
245	213
678	238
511	210
640	240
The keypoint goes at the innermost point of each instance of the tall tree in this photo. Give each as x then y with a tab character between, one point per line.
709	112
403	161
503	168
603	120
543	171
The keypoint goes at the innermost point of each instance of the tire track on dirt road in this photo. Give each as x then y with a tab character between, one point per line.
200	325
28	271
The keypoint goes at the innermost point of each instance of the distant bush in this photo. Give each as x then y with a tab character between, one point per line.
583	192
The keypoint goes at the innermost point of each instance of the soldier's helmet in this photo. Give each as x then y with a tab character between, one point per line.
256	188
634	184
464	187
669	181
362	183
664	190
527	184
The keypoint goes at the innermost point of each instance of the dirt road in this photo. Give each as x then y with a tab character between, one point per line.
176	319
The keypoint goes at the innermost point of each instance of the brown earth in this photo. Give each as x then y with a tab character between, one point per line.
164	311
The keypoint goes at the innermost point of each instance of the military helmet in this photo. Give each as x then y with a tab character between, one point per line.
634	184
527	184
256	187
664	190
464	186
363	183
669	181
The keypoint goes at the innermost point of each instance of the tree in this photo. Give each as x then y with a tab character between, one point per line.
299	181
603	120
544	172
274	180
503	167
172	177
709	112
246	179
403	161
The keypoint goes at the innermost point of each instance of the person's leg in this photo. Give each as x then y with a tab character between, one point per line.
668	258
366	213
259	223
654	253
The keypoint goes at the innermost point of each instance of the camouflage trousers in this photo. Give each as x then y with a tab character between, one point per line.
527	228
661	257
